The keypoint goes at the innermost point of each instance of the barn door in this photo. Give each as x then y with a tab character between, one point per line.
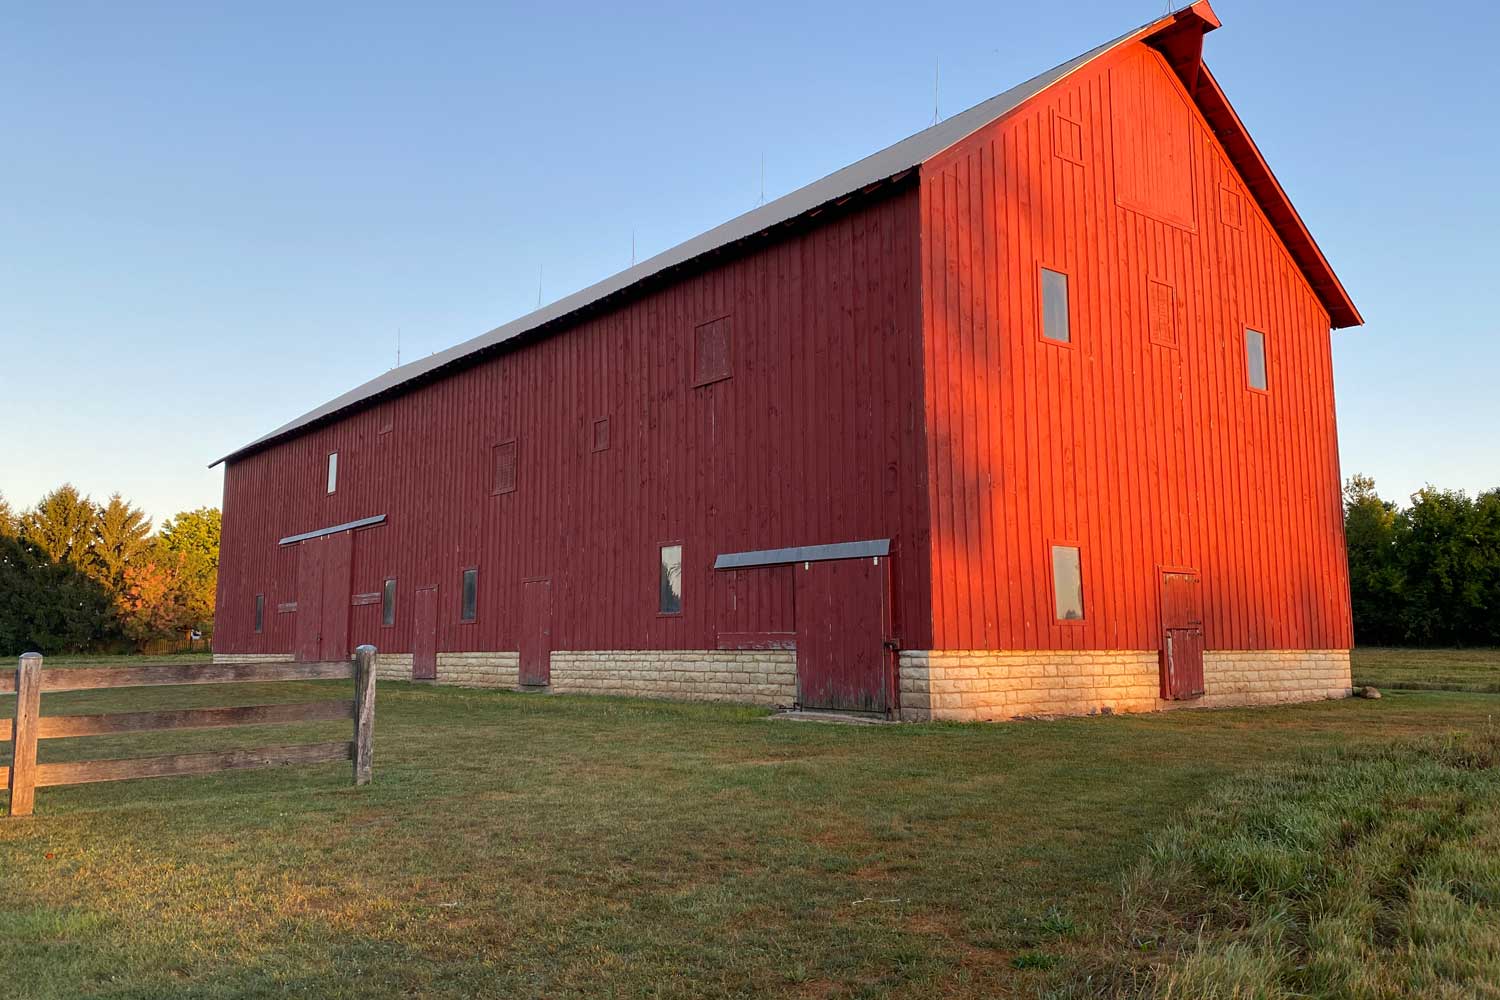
424	634
1182	635
310	601
536	633
338	568
843	662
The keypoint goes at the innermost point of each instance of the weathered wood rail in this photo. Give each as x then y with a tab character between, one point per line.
29	726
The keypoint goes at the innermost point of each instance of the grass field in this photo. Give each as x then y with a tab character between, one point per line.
1428	669
552	846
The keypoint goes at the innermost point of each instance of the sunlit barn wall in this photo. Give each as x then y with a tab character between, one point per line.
1143	455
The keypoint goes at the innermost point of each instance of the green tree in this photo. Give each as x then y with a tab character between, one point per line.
8	525
61	527
193	537
122	537
48	606
1375	581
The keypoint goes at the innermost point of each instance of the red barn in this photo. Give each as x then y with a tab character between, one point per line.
1031	412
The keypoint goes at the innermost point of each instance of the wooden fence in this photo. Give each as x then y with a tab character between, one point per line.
25	775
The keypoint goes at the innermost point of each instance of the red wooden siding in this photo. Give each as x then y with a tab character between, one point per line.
814	437
1145	454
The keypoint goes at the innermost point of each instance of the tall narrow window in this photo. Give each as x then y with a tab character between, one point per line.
333	471
1055	306
505	468
1255	358
260	612
670	596
1067	583
388	603
470	609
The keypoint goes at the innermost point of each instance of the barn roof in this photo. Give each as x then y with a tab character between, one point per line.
1177	35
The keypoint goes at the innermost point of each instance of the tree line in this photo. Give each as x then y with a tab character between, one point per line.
1427	574
78	575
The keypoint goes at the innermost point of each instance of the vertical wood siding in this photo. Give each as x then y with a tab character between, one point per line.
816	437
1143	454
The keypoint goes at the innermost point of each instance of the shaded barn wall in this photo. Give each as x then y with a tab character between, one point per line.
1143	455
815	438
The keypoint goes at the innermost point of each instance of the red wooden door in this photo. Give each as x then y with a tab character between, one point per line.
1182	635
843	662
338	567
310	600
424	634
536	633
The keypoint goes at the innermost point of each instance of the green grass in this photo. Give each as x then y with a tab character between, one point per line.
1427	669
553	846
1367	872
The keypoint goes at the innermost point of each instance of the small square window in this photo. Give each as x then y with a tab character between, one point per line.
470	607
1067	583
1231	208
388	603
260	612
505	468
1055	306
1255	358
670	595
711	359
601	434
333	471
1067	138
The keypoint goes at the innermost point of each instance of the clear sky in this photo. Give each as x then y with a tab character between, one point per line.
214	220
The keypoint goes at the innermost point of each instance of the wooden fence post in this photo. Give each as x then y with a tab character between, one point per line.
23	736
364	713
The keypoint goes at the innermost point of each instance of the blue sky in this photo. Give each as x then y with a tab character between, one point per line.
215	220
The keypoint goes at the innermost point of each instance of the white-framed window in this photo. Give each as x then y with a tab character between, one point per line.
1255	359
1067	582
669	599
333	471
1055	325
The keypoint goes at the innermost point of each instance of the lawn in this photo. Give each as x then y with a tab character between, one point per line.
1428	669
555	846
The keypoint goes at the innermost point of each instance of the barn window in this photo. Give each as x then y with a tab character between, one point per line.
711	360
470	607
1067	583
1255	358
388	603
1055	306
601	434
505	468
1161	310
670	596
333	471
260	612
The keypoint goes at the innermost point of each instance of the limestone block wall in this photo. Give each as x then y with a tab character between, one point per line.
762	677
497	669
1004	684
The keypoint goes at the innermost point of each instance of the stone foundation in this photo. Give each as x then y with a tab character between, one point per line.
962	685
473	669
759	676
989	684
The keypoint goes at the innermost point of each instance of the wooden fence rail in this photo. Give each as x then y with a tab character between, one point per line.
25	775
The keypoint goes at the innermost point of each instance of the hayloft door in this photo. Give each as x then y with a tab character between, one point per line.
842	614
424	634
1182	635
310	600
536	633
